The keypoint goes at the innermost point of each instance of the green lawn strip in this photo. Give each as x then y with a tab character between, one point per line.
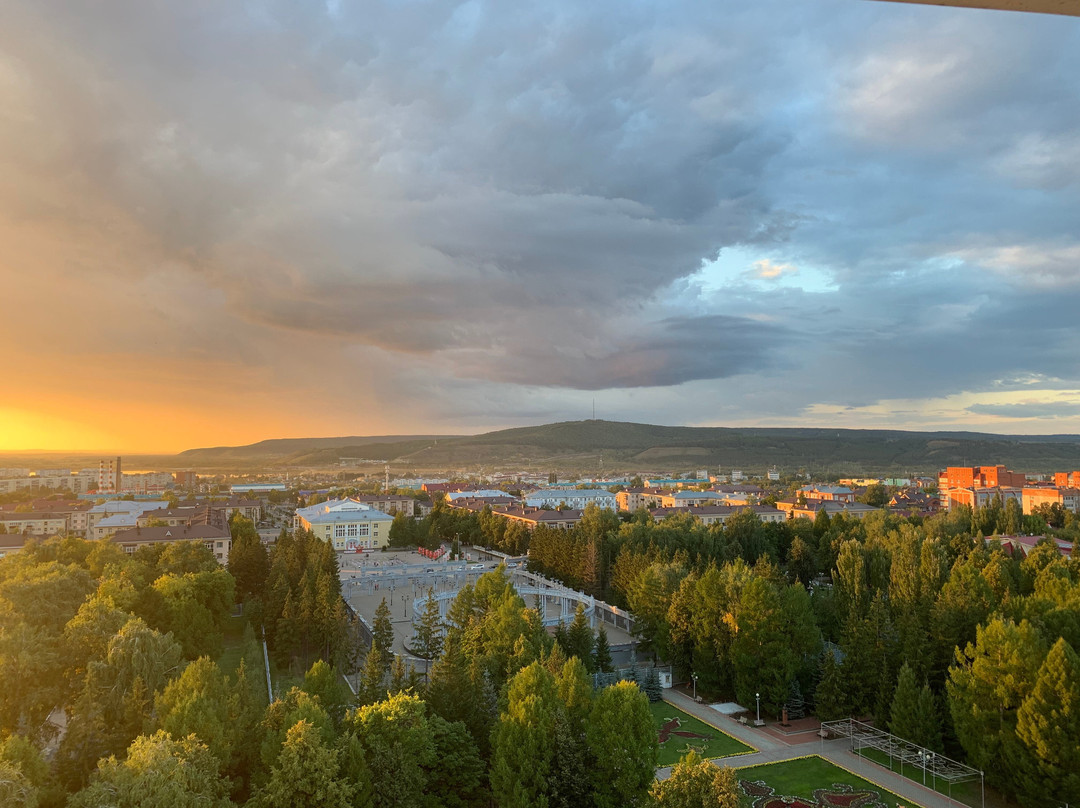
966	793
719	743
800	778
232	652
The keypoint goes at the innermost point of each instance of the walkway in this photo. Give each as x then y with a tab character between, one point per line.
773	750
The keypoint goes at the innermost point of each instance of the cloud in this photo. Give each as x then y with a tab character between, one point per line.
1030	409
766	270
457	211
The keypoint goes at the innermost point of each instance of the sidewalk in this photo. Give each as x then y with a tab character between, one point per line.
772	750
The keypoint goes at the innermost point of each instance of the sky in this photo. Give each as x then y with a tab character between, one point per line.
223	222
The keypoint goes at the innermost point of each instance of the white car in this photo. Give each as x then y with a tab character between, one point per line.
478	567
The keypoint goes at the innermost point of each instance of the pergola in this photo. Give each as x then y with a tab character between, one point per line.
933	765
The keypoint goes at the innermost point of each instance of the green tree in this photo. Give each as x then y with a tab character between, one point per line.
986	687
876	496
324	683
1048	724
159	771
383	633
696	783
398	746
428	638
196	702
249	563
914	714
306	773
830	698
579	638
622	738
458	775
602	652
522	766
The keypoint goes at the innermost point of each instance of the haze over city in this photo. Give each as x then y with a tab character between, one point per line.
228	223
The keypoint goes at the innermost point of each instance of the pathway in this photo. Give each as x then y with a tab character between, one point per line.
772	749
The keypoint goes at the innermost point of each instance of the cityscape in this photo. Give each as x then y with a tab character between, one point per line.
454	404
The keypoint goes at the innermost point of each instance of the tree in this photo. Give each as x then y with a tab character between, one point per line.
398	746
159	771
306	773
324	682
1048	724
196	702
622	738
457	777
986	687
914	715
523	761
652	685
428	639
383	634
579	638
830	699
696	783
249	563
403	531
602	652
876	496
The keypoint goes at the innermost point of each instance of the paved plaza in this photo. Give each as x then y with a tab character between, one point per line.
402	577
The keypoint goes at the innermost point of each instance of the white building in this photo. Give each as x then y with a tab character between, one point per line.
576	498
348	524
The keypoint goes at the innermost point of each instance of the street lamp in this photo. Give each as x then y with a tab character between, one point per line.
758	697
694	677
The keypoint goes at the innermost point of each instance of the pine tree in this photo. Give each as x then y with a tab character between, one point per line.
372	678
905	706
1048	724
796	705
652	685
830	699
602	652
579	638
428	639
383	634
306	774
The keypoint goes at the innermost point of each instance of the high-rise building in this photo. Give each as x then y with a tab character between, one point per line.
109	476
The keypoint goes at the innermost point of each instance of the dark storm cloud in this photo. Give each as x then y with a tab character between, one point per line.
482	193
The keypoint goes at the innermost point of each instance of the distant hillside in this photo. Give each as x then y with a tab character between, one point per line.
628	446
284	448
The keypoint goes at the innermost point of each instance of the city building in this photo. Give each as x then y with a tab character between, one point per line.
1037	496
216	539
576	498
856	510
719	514
631	499
348	524
531	517
109	477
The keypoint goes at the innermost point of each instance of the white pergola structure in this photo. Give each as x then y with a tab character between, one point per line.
932	765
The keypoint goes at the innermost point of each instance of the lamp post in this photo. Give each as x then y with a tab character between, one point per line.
694	677
758	697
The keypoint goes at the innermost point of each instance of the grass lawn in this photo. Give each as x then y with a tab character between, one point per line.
232	650
966	793
717	744
799	778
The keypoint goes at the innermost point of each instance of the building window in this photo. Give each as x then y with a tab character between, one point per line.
339	531
352	531
365	530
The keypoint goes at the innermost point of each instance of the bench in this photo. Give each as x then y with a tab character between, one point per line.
742	720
